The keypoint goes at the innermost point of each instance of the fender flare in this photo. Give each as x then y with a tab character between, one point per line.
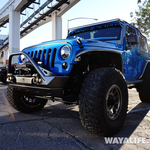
119	53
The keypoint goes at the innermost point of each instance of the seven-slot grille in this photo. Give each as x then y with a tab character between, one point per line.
46	56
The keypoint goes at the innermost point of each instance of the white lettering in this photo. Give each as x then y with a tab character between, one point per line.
120	140
125	140
108	140
130	141
143	140
139	140
115	141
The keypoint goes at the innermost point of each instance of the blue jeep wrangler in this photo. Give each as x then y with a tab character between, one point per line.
92	67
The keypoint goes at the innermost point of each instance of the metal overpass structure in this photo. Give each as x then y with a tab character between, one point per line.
41	12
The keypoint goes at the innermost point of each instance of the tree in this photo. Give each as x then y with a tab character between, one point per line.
141	17
149	47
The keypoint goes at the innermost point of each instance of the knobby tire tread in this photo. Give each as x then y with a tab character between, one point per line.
91	101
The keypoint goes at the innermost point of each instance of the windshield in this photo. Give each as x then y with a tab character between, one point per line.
103	32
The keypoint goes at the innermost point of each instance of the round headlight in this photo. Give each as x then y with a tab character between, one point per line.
22	58
65	51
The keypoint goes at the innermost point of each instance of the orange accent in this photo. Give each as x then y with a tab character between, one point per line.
6	61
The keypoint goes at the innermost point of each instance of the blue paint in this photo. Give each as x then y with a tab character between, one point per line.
93	39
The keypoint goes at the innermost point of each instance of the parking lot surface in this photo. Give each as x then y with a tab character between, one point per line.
58	126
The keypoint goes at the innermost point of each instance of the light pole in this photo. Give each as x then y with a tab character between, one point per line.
78	18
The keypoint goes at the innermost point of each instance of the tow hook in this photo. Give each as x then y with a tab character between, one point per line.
10	77
36	79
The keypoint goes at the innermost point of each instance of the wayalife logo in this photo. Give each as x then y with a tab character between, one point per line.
123	140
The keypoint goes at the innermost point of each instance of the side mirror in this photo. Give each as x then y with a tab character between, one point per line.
132	39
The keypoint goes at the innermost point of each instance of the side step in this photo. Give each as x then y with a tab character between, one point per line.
131	83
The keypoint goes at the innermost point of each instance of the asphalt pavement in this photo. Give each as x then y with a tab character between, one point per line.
58	127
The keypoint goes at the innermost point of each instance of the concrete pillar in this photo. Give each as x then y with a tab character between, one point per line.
56	26
14	30
6	55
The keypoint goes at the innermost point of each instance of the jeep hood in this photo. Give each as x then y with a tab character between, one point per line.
85	43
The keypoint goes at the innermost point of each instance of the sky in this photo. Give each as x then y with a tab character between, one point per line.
100	9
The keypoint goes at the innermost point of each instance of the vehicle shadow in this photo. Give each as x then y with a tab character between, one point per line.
66	118
134	126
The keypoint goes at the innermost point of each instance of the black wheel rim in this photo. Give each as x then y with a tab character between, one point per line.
113	102
30	101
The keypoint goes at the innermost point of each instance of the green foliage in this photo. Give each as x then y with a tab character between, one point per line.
149	47
141	17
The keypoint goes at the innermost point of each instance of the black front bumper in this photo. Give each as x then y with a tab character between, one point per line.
39	91
53	89
40	83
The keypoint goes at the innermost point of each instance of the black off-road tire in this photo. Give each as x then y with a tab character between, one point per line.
96	100
24	102
144	87
2	78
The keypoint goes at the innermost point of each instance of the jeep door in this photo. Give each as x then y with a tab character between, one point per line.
131	55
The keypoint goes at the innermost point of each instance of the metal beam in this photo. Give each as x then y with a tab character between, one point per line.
4	22
44	15
65	8
27	5
35	13
44	18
